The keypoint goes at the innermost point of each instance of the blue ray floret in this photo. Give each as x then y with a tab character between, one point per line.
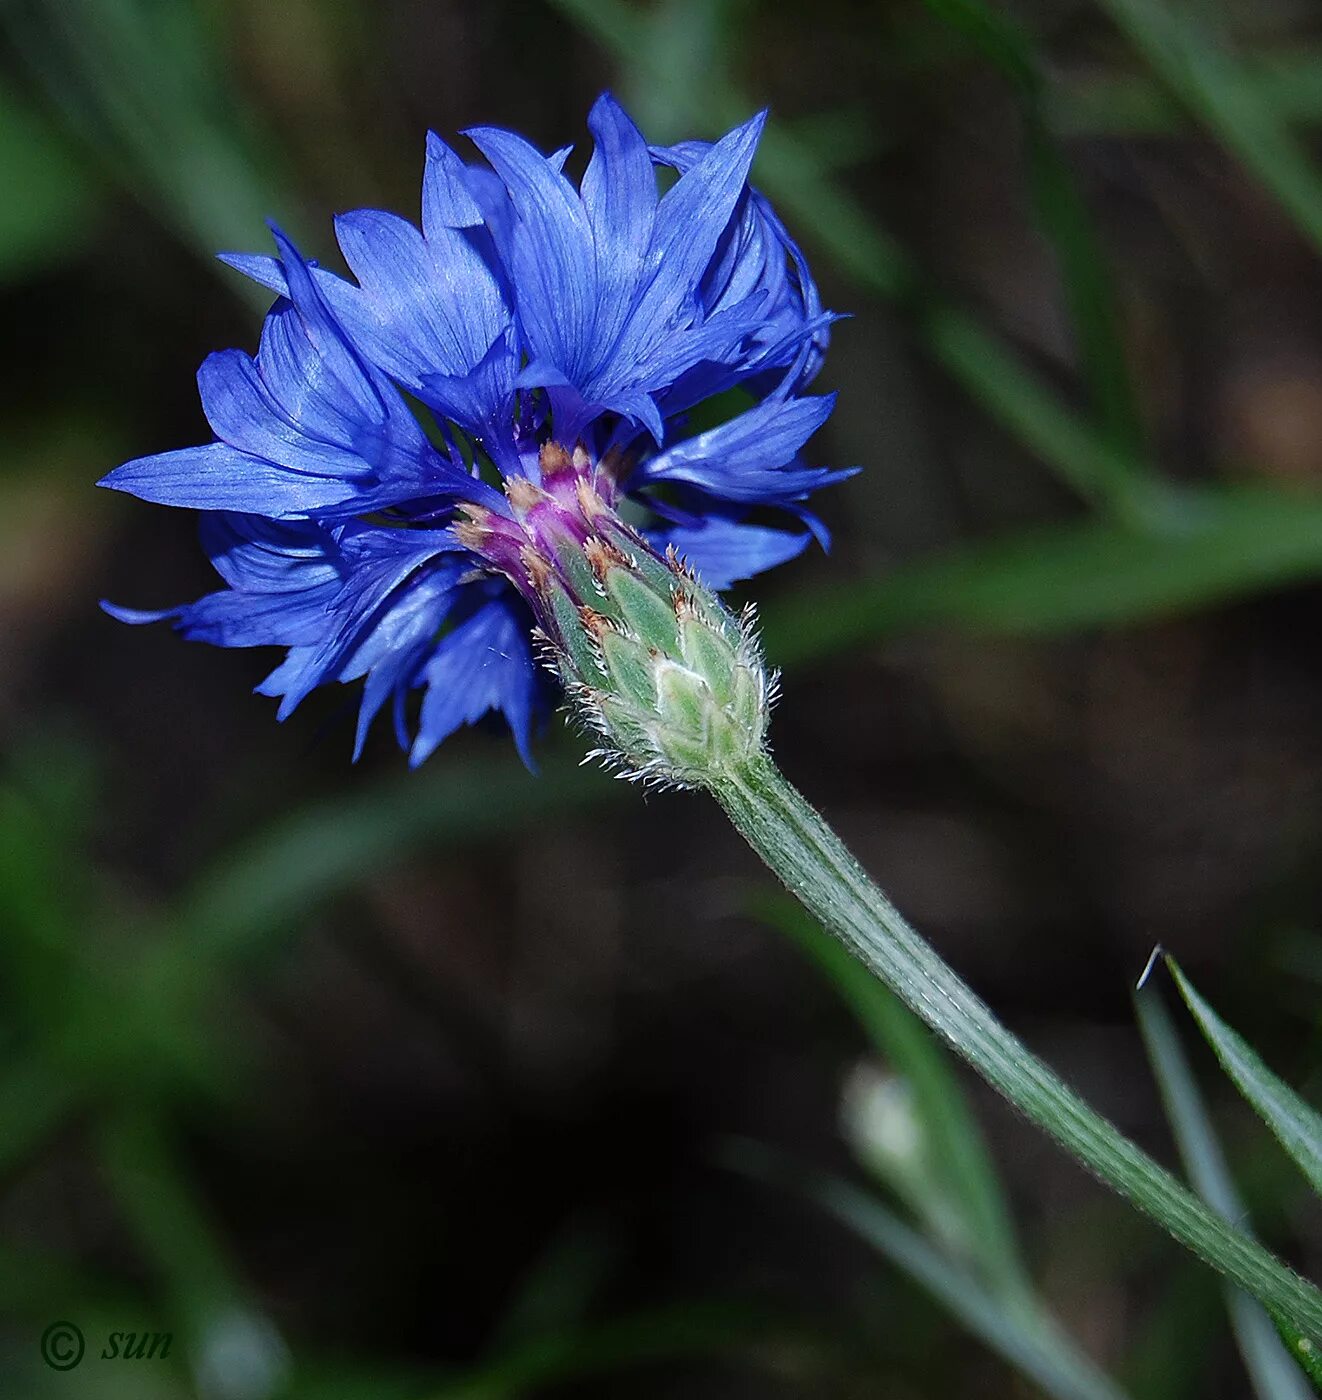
560	337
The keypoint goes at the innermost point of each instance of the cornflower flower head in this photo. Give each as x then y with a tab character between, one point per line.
478	455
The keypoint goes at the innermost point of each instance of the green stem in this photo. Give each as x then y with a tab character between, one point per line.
815	866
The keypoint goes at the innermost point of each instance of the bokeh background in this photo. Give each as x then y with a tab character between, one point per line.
465	1083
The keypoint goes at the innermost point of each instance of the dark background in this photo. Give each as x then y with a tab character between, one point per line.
373	1083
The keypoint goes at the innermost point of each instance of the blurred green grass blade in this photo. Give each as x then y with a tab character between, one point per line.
160	1206
1289	82
145	87
39	887
1297	1126
787	167
959	1155
839	137
35	1098
555	1294
42	1283
1045	1357
1030	1343
1274	1375
1016	398
1090	292
1218	543
324	849
1303	1351
1065	220
1221	91
688	39
681	1332
830	220
56	212
998	36
223	1335
149	1023
1158	1360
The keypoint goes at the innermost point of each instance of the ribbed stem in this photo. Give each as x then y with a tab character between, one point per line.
803	851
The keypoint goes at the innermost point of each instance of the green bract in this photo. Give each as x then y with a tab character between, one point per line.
672	685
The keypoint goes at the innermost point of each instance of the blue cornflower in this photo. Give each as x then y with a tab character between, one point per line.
558	338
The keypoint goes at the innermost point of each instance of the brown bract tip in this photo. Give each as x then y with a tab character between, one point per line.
598	624
553	459
522	494
678	564
589	502
598	558
538	570
602	556
472	533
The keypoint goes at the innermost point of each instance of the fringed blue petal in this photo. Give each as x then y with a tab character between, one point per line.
753	458
724	552
485	664
553	266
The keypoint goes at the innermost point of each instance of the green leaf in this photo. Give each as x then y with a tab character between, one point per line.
35	1098
1215	543
1288	81
1296	1125
658	1334
963	1176
1068	225
168	1220
1303	1351
50	208
555	1294
147	88
1026	1340
1223	93
1273	1375
314	854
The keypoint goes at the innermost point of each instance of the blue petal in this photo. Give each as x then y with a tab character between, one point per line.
136	617
718	339
553	262
283	579
750	458
392	655
690	220
447	201
252	553
237	619
217	477
300	671
619	194
371	400
435	298
428	312
233	619
485	664
280	407
754	254
722	552
262	268
380	566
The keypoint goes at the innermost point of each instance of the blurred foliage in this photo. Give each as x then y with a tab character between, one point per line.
1272	1373
176	884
